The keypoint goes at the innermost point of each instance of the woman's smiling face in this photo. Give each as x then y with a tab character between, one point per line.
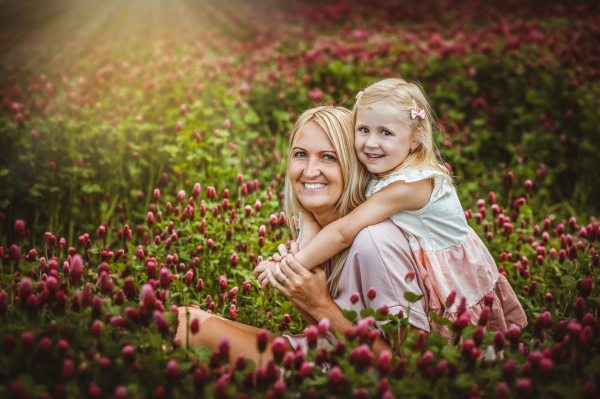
314	171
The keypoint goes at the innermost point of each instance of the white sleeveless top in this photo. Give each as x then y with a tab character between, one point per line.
439	224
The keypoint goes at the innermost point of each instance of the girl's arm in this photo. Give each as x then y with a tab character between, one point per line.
340	234
309	229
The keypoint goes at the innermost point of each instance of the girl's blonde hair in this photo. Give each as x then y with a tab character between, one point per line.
399	94
337	124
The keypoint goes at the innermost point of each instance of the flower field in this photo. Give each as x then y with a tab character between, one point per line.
142	154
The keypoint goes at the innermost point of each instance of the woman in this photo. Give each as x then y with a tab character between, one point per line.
325	181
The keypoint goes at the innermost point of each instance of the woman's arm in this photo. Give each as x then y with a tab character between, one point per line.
313	294
340	234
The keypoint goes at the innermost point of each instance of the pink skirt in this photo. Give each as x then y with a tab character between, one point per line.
506	310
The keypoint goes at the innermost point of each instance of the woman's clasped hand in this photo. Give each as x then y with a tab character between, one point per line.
305	289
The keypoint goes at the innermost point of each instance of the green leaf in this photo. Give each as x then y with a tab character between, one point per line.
568	281
203	353
350	314
367	312
251	117
389	328
434	316
464	381
412	297
92	188
380	316
450	353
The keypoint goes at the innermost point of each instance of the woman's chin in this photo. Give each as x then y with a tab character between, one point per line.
312	202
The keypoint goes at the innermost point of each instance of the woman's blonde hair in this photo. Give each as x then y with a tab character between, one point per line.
399	95
337	124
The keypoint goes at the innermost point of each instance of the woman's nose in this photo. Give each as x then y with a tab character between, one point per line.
312	168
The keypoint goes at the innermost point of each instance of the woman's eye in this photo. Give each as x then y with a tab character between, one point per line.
385	133
300	154
329	157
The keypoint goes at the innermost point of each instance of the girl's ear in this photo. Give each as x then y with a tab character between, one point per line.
416	143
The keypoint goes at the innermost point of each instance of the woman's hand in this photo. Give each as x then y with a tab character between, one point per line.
307	289
260	272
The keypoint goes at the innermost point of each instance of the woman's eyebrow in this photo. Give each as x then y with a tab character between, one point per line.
320	152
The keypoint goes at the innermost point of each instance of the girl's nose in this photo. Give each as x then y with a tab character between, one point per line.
371	141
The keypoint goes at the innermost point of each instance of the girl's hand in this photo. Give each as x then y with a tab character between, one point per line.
283	251
260	272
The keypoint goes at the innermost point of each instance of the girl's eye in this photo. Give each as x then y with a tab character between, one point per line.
363	130
385	133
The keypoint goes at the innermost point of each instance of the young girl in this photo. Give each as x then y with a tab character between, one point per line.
394	140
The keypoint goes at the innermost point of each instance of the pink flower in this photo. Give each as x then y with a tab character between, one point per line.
324	326
19	230
278	347
502	392
461	322
195	326
420	345
262	339
96	329
179	126
121	392
484	316
410	277
68	370
312	336
173	372
450	300
371	294
162	326
76	268
336	381
3	303
316	94
25	289
361	357
513	334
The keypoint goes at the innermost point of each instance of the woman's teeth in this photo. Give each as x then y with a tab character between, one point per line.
314	186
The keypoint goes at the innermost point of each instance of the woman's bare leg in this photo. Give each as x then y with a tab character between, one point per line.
242	338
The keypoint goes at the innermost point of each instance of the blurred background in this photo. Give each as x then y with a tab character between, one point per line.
105	101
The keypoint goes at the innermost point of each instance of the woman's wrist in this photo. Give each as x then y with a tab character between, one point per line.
323	310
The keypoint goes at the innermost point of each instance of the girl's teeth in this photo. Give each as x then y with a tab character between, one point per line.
374	156
313	186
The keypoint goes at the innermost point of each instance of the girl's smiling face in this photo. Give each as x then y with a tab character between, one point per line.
314	170
382	139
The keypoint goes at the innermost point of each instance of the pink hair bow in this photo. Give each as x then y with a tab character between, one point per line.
359	94
415	112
